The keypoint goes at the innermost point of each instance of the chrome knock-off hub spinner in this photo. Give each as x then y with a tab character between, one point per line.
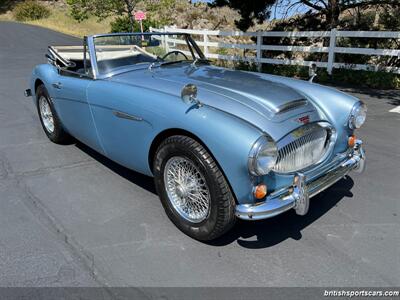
187	189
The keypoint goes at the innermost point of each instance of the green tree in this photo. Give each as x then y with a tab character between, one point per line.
330	10
249	10
81	9
122	24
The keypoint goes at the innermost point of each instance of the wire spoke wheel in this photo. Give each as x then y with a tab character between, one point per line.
187	189
46	114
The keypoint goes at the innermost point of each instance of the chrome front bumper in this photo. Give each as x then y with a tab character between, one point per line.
297	195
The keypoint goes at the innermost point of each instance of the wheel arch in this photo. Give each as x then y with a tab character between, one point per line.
38	82
160	137
178	131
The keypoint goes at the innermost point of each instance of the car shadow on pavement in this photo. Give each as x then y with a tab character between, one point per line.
270	232
252	235
141	180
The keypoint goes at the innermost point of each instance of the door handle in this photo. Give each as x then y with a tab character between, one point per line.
57	85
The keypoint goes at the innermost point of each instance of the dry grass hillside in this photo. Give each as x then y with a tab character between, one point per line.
194	16
178	12
60	19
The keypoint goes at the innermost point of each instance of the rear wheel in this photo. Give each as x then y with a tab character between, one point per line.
48	118
192	189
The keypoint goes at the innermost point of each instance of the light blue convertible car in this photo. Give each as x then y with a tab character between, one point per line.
221	144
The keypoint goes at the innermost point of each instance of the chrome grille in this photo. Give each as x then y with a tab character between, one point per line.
309	146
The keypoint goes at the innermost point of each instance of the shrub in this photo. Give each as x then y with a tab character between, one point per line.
30	10
122	24
245	66
286	70
377	80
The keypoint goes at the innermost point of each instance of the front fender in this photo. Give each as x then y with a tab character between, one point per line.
229	140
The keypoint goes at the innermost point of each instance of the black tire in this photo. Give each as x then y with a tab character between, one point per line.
221	215
58	135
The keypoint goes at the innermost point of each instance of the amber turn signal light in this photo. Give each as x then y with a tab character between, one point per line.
352	141
260	191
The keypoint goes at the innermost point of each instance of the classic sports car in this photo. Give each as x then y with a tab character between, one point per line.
221	144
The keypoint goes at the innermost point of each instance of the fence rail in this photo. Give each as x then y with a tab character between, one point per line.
258	46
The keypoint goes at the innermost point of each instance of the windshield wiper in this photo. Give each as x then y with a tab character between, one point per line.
166	63
159	63
158	60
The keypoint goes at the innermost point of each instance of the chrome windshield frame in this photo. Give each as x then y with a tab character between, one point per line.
93	59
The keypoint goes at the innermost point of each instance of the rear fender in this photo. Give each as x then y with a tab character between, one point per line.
47	74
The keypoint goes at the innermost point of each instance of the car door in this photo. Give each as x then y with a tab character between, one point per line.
70	91
122	122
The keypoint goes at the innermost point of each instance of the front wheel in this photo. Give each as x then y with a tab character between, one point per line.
192	189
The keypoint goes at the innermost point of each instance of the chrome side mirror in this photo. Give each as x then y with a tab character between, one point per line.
189	94
312	72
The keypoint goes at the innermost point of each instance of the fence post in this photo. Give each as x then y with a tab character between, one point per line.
161	37
205	40
166	46
259	53
331	54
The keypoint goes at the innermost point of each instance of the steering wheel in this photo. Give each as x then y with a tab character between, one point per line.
176	52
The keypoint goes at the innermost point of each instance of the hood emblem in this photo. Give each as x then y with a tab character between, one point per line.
304	119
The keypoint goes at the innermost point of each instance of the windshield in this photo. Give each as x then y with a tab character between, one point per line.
116	52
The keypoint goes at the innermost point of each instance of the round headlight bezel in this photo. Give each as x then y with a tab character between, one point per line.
358	115
263	156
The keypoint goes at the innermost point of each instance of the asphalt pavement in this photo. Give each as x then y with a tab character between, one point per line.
71	217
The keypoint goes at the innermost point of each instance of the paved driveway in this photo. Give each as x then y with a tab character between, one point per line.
69	216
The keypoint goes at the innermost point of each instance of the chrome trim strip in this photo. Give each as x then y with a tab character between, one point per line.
285	198
93	61
137	33
123	115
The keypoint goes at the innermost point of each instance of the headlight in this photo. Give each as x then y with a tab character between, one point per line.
358	115
262	156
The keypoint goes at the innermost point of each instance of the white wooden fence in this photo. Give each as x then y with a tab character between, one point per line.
258	46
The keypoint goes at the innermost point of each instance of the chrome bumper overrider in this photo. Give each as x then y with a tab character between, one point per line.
28	93
297	195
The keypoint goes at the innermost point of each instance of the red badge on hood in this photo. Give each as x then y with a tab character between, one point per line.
304	119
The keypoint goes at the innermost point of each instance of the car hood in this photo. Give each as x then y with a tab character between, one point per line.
249	96
246	88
